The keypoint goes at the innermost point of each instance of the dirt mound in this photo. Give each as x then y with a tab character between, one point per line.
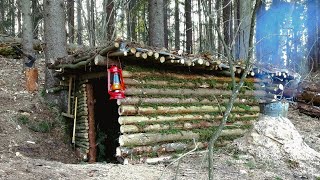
276	139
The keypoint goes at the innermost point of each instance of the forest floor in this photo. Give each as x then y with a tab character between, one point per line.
34	144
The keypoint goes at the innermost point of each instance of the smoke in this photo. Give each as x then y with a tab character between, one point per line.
285	32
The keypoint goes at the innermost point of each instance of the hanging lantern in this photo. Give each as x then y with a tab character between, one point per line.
115	83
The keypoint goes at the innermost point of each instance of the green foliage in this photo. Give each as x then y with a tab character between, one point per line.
42	126
42	92
23	119
278	178
251	164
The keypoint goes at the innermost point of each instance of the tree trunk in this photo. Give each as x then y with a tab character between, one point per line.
56	42
226	16
176	25
79	22
110	19
131	25
200	26
188	26
27	37
156	30
165	22
18	17
91	121
70	12
245	11
2	17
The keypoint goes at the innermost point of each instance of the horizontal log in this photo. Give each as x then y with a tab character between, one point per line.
130	74
142	139
133	110
310	110
189	84
188	92
311	97
149	138
126	120
131	100
106	50
159	149
178	126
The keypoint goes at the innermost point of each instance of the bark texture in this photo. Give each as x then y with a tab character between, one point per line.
156	30
27	34
56	42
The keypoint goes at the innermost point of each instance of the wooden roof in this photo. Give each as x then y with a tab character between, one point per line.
130	52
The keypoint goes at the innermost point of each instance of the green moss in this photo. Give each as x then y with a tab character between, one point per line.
23	119
170	131
244	106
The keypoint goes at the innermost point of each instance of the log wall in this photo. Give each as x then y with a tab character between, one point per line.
165	113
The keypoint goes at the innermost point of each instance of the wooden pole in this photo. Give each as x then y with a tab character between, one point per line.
92	136
75	121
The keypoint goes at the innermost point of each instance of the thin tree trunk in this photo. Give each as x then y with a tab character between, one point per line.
12	17
236	87
2	17
70	12
165	22
18	17
93	24
176	25
200	26
188	26
226	21
217	8
79	22
131	25
110	18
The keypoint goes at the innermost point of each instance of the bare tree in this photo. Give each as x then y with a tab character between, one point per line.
165	22
188	26
79	22
235	86
110	18
70	16
156	31
176	25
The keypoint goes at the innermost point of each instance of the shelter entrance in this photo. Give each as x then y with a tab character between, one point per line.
106	121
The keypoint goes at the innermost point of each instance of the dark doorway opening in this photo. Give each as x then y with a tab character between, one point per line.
106	121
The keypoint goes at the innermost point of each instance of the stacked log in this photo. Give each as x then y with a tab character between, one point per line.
82	122
308	98
166	113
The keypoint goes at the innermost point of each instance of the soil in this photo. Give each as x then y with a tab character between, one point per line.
34	144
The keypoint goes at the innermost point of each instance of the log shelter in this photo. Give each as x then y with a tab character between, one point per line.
174	101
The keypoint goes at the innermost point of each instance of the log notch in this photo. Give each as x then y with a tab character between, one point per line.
92	129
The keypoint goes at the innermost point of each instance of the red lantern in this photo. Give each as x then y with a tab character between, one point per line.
115	83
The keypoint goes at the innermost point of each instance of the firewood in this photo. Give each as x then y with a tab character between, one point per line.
310	110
